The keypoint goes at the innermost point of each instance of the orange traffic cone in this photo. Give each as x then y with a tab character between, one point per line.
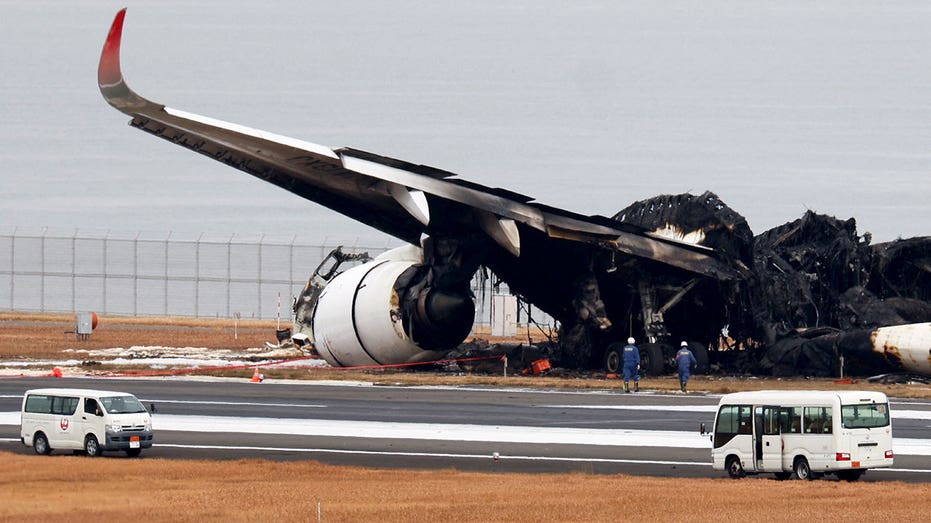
256	377
56	373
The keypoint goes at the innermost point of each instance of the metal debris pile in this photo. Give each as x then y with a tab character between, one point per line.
816	291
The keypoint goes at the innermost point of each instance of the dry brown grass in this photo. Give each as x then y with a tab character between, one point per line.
47	335
65	488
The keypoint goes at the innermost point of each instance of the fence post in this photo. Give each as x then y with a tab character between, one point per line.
197	277
103	271
259	275
165	296
74	248
136	275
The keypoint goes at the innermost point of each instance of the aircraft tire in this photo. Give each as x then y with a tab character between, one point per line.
614	358
652	362
701	356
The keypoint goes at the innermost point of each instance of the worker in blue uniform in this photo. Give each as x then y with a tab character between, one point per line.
686	361
631	365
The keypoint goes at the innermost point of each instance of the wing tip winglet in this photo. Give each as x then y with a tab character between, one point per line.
109	72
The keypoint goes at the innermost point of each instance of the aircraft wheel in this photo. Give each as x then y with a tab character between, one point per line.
701	356
651	359
614	358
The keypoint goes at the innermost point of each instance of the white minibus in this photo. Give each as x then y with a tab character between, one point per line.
88	421
805	433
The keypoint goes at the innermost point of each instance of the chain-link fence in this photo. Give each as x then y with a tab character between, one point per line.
170	275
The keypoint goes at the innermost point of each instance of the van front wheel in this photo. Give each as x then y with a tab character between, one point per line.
40	444
91	446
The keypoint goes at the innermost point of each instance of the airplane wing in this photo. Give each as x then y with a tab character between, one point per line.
399	198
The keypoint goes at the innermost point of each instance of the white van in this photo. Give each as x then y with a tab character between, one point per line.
808	433
91	421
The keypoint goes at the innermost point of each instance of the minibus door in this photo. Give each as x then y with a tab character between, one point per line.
771	441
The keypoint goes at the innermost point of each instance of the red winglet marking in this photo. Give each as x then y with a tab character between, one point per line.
108	72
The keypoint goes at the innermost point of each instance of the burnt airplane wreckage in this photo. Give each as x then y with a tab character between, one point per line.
816	291
666	269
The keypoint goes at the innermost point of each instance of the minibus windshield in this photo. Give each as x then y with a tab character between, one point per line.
867	416
122	404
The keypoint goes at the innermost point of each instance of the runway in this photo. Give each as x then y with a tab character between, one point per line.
466	428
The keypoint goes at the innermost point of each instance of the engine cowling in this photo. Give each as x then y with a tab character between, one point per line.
358	319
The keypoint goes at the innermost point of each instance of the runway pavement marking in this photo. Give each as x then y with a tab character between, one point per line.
667	408
896	413
238	403
196	402
502	457
450	432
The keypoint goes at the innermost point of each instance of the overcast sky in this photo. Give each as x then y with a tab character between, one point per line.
778	107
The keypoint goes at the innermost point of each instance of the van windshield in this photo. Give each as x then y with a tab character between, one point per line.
122	404
868	416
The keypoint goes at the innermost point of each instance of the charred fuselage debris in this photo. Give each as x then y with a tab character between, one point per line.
816	273
815	290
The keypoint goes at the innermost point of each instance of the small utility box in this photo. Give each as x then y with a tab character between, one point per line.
84	326
504	315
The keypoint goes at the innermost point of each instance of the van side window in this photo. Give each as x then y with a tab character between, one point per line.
91	406
64	406
791	420
818	420
39	404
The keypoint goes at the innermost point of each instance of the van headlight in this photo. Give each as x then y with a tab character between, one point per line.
148	427
114	427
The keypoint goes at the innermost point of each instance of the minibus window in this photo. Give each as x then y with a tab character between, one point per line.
868	416
770	421
122	404
791	420
818	420
63	405
732	420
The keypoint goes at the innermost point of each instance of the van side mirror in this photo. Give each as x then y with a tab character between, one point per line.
701	429
152	408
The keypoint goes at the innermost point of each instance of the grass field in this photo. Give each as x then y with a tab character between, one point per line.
67	488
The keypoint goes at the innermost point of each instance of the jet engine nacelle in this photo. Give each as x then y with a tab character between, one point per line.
358	319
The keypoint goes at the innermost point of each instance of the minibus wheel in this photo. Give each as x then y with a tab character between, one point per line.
734	468
91	447
40	444
801	469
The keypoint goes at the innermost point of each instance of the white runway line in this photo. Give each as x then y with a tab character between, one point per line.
502	457
451	432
